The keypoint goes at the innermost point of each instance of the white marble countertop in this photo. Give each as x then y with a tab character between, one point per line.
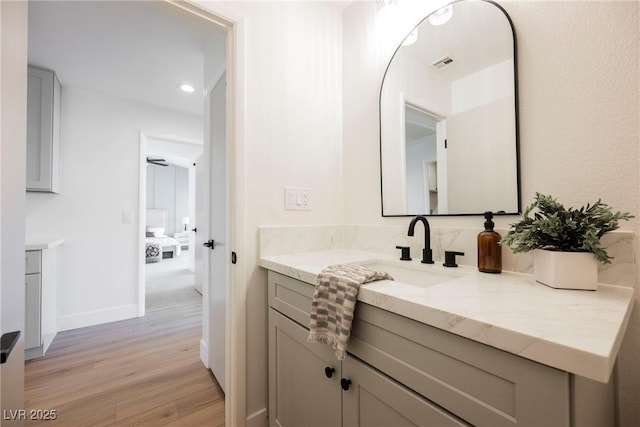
40	244
576	331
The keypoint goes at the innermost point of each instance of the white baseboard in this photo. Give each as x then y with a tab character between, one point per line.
90	318
204	354
258	419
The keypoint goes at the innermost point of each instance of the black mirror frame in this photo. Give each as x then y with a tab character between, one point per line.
517	120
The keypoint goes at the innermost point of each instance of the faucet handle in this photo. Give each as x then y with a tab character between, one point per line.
406	253
450	258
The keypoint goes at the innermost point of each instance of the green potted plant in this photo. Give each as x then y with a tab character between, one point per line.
566	242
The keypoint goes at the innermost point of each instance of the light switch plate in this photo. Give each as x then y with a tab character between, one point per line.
127	217
297	198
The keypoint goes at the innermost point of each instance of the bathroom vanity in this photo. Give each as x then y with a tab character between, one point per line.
444	346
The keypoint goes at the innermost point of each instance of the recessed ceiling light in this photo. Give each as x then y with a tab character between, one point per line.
185	87
441	16
411	38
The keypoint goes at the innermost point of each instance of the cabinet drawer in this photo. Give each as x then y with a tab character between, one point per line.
482	385
290	297
32	262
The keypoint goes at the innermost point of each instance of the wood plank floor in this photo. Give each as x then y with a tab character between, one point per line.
144	371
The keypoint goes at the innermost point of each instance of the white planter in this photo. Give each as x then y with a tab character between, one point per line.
566	270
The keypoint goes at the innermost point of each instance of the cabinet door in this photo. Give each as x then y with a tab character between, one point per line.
373	399
43	130
300	392
32	332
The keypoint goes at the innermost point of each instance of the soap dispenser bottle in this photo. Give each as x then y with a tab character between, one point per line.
489	249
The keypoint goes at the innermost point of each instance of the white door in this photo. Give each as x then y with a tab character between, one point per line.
13	126
200	223
220	253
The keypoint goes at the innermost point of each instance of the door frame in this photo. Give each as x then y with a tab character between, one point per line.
235	316
142	205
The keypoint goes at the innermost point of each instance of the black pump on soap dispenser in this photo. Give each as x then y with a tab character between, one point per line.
489	249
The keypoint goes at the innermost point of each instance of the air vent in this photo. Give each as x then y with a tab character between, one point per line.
442	62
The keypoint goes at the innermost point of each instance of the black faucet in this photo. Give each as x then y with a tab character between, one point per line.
427	254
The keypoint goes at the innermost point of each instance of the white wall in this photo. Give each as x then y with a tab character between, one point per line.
482	87
579	134
99	164
291	135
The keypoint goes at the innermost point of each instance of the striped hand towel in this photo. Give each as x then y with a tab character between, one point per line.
334	302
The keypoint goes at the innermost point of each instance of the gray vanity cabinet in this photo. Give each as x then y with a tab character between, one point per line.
308	386
404	372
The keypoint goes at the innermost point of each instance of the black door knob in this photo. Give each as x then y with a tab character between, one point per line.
328	371
345	383
210	244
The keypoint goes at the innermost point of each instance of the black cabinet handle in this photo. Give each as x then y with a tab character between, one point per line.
345	383
328	371
7	342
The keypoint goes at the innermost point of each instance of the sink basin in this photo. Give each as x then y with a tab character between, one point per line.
412	274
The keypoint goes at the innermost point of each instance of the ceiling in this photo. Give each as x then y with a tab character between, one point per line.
477	36
138	50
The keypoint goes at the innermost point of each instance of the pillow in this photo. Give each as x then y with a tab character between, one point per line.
153	253
155	231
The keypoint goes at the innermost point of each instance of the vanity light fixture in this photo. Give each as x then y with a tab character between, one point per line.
441	16
186	87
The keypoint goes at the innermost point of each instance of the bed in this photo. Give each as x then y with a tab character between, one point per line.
157	244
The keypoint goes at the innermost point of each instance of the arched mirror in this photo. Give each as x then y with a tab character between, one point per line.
449	116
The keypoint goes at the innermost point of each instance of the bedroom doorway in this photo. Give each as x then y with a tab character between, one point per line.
167	191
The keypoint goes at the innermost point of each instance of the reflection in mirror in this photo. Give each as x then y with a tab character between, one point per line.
421	160
448	121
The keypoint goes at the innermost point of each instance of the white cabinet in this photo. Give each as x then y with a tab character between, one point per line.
41	300
33	299
404	372
43	131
